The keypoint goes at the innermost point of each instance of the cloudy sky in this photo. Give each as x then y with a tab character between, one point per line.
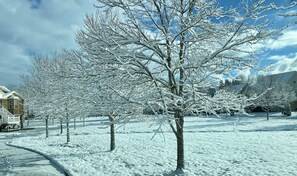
37	27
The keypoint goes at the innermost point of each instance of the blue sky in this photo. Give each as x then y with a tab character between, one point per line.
36	27
39	27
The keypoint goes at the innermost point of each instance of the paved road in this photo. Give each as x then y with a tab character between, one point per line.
19	162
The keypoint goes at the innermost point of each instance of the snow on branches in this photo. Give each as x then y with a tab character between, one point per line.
174	50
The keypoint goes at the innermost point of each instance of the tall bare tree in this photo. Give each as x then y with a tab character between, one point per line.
178	48
111	93
37	90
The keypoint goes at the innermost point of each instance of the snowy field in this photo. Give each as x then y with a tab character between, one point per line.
213	146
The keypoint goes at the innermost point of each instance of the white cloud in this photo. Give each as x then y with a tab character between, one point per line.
288	38
12	63
283	63
33	27
244	74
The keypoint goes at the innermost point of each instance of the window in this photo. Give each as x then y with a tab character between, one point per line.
10	104
16	104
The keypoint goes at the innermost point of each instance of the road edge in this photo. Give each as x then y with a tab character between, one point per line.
55	163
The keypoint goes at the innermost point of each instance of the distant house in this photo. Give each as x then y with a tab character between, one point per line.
286	78
12	101
289	78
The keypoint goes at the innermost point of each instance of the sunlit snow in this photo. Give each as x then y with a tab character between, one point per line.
213	146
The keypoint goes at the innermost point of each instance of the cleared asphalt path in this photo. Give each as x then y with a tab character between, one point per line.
20	162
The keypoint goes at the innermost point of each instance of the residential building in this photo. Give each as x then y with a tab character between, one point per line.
12	101
289	78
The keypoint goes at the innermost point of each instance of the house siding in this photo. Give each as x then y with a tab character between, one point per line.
5	103
14	103
16	107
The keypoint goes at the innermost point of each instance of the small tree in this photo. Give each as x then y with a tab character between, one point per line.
51	90
66	90
107	91
37	89
272	93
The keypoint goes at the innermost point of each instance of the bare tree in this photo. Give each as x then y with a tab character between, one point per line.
37	90
50	90
66	90
273	93
107	92
290	11
177	48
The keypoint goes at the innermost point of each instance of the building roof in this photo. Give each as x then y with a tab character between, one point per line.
7	94
4	89
235	88
283	77
289	78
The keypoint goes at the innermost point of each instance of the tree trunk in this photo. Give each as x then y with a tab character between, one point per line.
180	141
61	126
22	121
67	129
266	109
46	127
53	121
74	123
179	115
112	133
84	122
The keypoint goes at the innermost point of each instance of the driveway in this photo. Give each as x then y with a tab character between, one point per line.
19	162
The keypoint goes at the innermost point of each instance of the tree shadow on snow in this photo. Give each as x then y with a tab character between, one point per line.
292	127
177	173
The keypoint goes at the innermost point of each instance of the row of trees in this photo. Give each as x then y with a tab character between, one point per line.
136	54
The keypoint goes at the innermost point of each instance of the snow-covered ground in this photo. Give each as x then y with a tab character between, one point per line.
213	146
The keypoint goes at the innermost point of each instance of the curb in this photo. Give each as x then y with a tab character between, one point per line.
53	162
